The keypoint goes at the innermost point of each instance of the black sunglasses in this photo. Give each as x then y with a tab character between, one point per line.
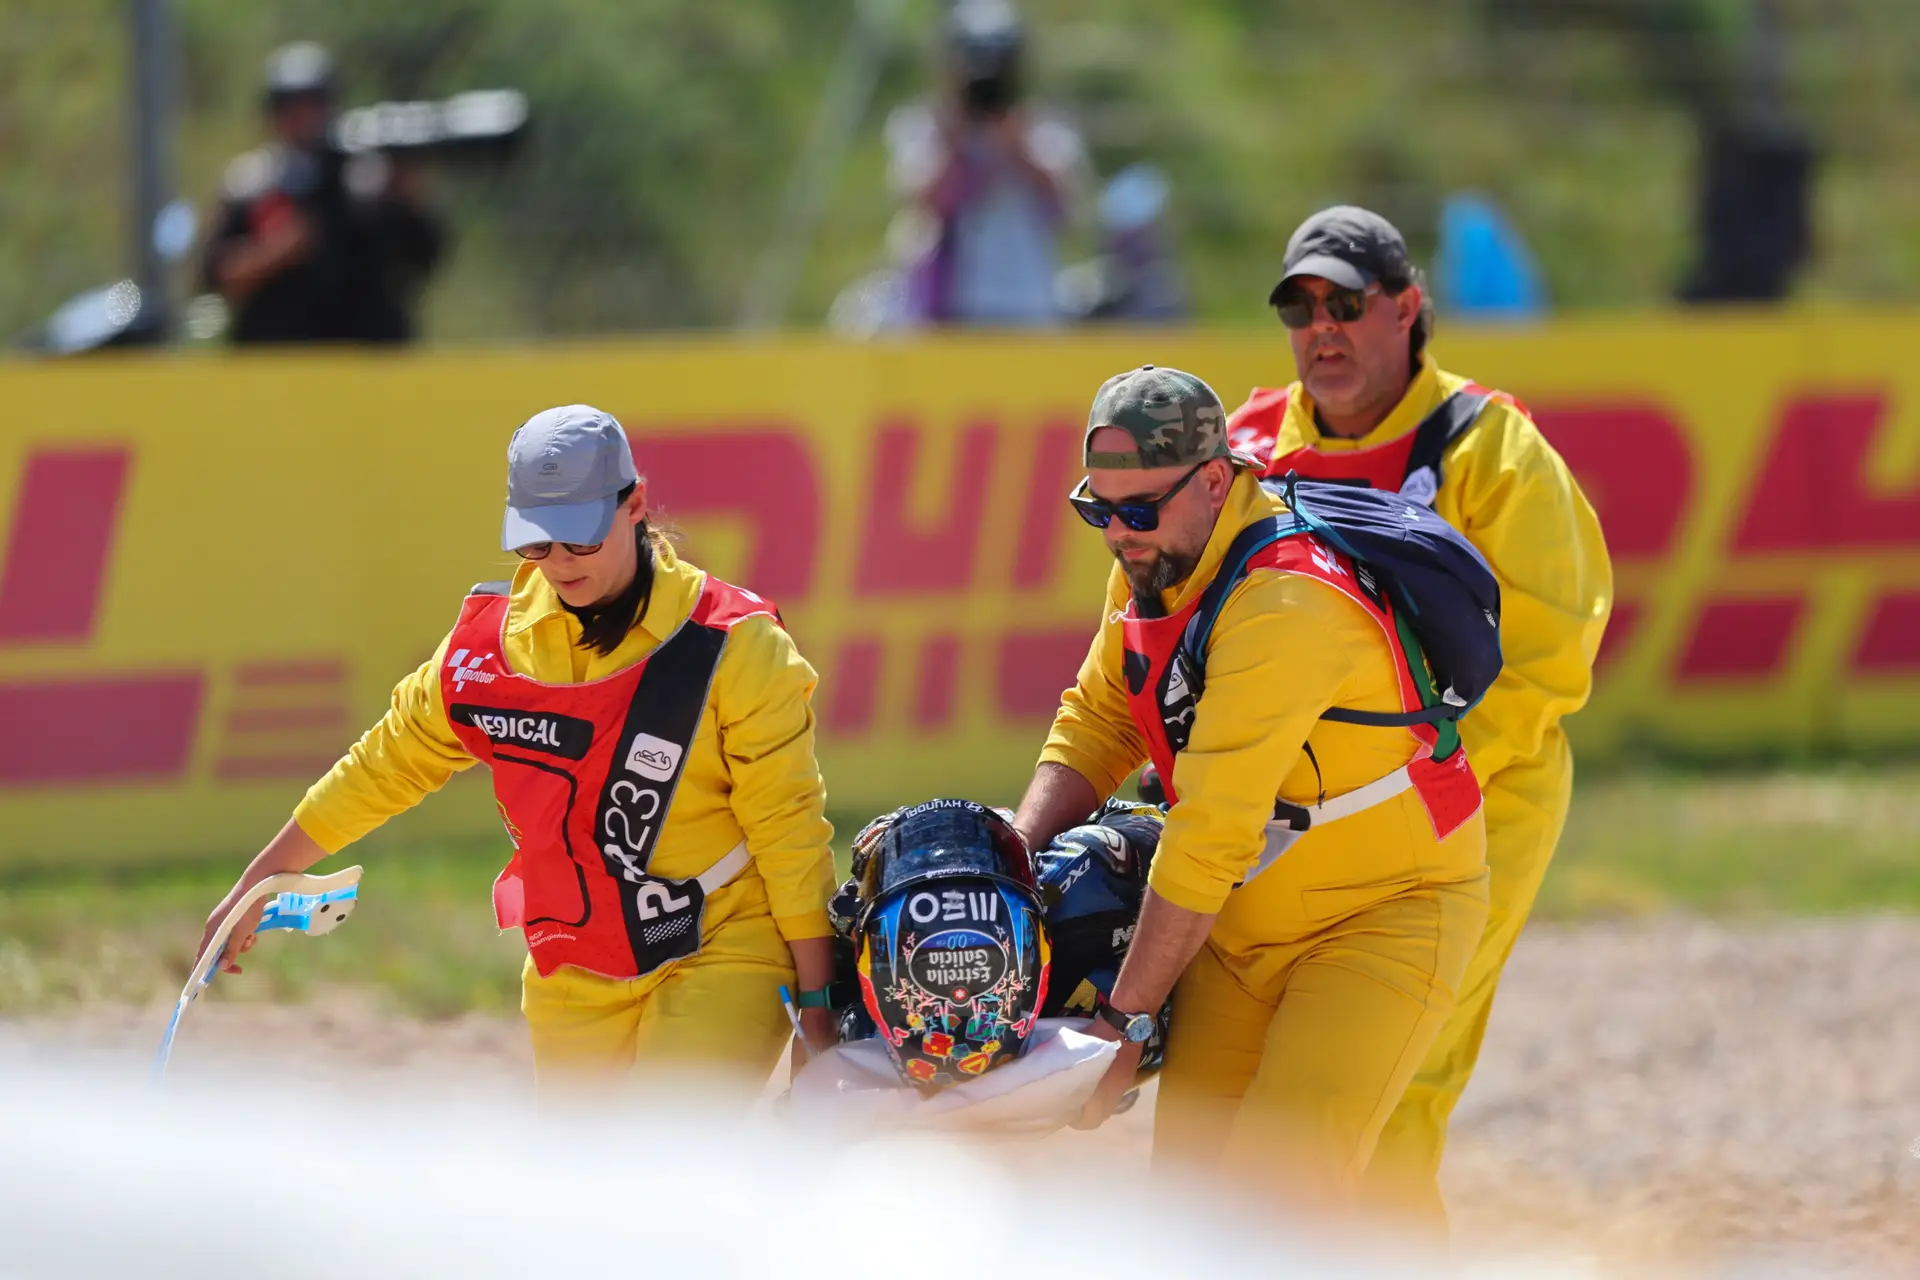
1344	306
1142	515
541	550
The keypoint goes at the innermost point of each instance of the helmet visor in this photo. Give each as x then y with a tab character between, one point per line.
943	838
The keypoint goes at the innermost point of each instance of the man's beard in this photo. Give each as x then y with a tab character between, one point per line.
1167	569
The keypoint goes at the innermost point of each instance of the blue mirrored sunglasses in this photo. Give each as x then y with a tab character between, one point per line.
1142	515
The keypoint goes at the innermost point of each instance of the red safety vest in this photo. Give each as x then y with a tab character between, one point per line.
584	776
1160	692
1255	429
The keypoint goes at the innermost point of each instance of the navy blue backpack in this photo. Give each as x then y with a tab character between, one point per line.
1446	601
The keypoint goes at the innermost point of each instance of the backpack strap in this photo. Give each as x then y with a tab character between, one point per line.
1446	710
1248	543
1437	432
1257	537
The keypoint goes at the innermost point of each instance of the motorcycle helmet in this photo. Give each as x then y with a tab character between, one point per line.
951	955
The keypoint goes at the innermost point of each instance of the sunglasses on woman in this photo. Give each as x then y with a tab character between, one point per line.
541	550
1142	515
1344	306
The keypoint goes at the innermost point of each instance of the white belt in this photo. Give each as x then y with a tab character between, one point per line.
1281	835
730	866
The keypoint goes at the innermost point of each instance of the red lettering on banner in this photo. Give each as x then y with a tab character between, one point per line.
107	729
1890	645
1618	636
56	556
934	699
1736	639
288	719
1635	466
262	768
1035	667
854	689
283	675
1812	492
284	719
763	473
1056	462
903	555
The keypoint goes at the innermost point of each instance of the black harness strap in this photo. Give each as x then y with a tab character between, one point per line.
648	760
1437	432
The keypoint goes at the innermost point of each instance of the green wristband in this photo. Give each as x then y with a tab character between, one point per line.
815	999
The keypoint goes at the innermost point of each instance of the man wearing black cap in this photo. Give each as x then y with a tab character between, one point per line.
308	245
1372	407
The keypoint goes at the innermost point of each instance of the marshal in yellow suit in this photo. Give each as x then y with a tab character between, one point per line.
749	775
1512	495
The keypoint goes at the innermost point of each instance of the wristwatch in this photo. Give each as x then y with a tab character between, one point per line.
1134	1028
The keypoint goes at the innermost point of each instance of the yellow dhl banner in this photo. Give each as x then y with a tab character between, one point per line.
215	569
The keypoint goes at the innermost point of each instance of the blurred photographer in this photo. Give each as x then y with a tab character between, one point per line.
312	244
994	180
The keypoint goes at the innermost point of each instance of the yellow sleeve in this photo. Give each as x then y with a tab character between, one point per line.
1511	493
763	693
1093	732
396	764
1284	649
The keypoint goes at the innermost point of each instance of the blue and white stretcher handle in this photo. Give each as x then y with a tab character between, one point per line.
301	903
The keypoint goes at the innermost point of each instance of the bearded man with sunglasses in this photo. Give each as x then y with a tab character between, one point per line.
1372	407
650	734
1309	984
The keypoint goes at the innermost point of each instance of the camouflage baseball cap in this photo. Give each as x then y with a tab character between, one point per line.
1174	418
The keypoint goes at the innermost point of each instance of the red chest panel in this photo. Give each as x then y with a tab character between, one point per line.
584	776
1381	467
1163	695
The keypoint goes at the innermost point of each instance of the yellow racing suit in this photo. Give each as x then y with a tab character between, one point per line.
749	774
1512	495
1326	978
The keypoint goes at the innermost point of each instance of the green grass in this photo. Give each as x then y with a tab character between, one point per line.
423	936
1801	842
1791	842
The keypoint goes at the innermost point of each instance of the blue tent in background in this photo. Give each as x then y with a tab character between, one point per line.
1482	269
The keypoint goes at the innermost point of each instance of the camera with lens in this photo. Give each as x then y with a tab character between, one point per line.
483	123
984	43
991	96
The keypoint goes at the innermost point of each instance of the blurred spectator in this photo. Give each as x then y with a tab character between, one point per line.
1135	278
1755	208
1483	269
996	178
311	245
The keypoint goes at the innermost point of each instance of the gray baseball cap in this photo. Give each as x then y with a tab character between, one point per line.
565	470
1351	246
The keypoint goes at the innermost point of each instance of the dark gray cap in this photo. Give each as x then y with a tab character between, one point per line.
565	470
1351	246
